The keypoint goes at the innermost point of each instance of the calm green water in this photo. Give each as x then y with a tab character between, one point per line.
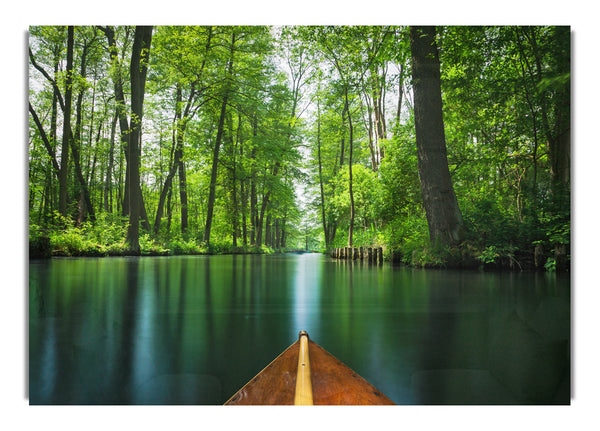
193	330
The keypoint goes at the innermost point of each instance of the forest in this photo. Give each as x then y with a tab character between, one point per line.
445	146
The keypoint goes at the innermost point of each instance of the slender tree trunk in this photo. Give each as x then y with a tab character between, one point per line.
179	163
215	164
380	129
234	195
183	197
324	220
253	197
64	159
441	206
109	169
138	70
400	94
350	190
243	186
343	140
85	204
176	155
121	111
213	176
45	140
263	206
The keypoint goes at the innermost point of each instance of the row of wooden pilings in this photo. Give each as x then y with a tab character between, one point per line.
371	254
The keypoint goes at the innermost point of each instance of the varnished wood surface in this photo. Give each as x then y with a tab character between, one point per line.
274	385
333	383
304	391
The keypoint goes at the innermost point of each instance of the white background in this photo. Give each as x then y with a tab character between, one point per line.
15	413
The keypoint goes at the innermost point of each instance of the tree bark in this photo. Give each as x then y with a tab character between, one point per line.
121	109
324	219
109	169
253	196
350	190
85	204
215	164
138	70
45	140
64	158
441	206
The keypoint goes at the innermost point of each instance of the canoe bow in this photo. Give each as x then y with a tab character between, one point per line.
306	374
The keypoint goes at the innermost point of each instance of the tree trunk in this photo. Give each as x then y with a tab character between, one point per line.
215	164
243	187
253	197
324	219
350	190
183	197
400	94
47	143
64	159
85	204
176	155
121	110
441	206
109	169
343	140
138	70
234	197
213	176
380	128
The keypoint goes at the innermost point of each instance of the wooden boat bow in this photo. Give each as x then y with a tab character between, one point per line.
306	374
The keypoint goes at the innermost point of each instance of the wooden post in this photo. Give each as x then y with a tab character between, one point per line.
304	394
361	253
380	249
370	255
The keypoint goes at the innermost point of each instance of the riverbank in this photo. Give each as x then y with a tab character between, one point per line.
466	257
42	248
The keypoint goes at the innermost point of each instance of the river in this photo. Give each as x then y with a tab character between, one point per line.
194	329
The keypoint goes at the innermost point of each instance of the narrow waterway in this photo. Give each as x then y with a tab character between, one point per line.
194	329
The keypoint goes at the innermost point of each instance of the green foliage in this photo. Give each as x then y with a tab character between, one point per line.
550	265
291	93
489	255
73	241
149	247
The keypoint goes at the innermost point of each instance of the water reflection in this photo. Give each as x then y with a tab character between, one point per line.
193	330
307	295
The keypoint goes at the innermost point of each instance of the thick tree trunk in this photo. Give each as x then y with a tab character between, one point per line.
441	206
139	67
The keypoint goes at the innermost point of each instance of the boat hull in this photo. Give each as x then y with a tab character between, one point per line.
333	383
